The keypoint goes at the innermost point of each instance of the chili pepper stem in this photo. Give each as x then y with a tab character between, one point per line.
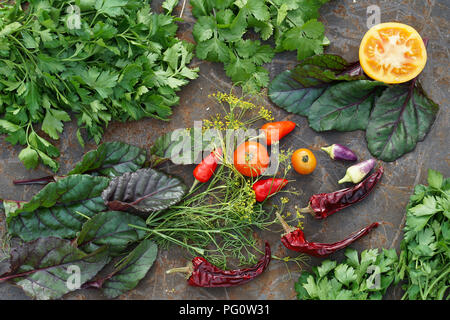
287	228
187	269
196	182
307	209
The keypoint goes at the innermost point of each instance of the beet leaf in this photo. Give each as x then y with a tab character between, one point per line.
59	209
143	191
110	228
44	266
129	272
401	117
296	90
111	159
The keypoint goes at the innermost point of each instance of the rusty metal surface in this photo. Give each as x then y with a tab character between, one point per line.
345	23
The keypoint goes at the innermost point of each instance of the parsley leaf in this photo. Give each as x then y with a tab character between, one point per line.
351	279
425	263
121	62
222	26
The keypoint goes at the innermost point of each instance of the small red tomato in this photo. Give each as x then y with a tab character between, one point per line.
251	158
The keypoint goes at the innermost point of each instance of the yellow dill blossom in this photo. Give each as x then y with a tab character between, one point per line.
232	123
265	114
300	217
243	206
232	100
284	200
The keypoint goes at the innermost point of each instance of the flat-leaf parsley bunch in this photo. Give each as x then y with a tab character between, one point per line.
100	60
222	34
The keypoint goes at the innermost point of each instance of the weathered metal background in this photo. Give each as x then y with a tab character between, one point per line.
345	25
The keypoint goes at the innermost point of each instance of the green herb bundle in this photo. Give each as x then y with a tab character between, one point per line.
425	250
355	278
222	34
98	60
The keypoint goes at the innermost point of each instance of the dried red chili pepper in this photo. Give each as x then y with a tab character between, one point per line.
204	274
264	188
323	205
294	239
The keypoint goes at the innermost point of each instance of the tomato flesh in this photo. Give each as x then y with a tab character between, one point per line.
392	53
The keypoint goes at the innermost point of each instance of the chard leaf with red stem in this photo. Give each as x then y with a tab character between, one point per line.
59	209
41	267
111	159
143	191
110	228
297	89
129	272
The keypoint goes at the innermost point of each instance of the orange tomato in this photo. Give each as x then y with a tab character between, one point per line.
251	158
392	53
303	161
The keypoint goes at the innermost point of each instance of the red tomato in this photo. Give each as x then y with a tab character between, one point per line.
251	158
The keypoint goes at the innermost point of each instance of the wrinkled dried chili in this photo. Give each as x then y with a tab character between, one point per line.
204	274
294	239
323	205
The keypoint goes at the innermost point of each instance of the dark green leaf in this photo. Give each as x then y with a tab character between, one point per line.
59	209
344	106
110	228
296	90
43	268
400	118
111	159
129	272
143	191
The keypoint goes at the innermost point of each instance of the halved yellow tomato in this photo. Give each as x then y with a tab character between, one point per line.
392	52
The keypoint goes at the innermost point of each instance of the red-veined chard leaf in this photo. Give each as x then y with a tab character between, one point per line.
59	209
296	90
110	228
402	116
129	272
143	191
344	106
43	267
333	94
111	159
